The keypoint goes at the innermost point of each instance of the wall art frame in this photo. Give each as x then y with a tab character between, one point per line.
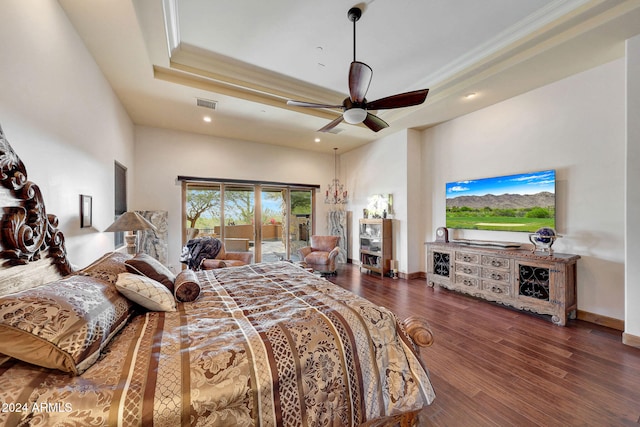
86	214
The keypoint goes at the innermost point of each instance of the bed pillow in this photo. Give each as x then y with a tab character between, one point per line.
145	291
63	324
212	264
107	267
147	265
187	286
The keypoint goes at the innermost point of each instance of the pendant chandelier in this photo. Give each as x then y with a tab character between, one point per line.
335	194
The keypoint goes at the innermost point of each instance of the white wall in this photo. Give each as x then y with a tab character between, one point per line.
575	126
162	155
63	120
632	273
415	213
380	168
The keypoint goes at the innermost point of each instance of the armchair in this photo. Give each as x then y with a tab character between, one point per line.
321	254
207	253
226	259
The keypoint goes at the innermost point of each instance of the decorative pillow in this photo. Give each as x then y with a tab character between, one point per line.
210	264
233	263
152	268
147	292
63	324
107	267
187	286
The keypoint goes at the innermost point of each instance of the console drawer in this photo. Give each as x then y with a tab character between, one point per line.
496	262
472	270
497	275
496	287
468	257
467	281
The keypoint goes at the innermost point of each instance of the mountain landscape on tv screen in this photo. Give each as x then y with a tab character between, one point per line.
504	201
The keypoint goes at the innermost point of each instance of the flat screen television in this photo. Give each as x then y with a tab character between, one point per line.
522	202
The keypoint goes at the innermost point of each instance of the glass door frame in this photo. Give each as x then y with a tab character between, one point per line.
241	237
258	187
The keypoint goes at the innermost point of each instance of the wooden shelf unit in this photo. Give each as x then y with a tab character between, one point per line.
375	245
518	278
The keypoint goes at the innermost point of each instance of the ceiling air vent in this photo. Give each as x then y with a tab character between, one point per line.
207	103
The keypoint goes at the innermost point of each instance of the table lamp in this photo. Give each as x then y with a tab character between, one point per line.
130	222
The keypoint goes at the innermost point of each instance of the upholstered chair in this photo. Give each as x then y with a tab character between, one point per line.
321	254
226	259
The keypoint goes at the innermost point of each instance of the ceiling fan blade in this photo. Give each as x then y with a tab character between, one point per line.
360	75
331	125
400	100
311	104
375	123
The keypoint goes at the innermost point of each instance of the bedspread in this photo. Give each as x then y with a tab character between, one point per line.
264	344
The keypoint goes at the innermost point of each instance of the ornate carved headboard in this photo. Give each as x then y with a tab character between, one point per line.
32	248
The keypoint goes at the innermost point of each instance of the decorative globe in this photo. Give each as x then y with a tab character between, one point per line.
545	235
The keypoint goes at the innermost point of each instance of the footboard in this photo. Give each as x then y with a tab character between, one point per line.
419	330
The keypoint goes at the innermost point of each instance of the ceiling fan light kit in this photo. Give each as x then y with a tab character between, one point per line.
355	106
355	115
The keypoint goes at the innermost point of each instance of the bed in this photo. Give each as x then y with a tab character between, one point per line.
263	344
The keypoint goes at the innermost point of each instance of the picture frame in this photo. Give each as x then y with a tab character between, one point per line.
86	215
380	205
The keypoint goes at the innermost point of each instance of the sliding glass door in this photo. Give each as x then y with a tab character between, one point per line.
239	232
273	224
272	221
202	210
300	221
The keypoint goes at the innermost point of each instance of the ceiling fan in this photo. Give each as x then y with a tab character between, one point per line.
355	106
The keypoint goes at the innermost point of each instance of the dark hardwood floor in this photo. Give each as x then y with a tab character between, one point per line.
493	366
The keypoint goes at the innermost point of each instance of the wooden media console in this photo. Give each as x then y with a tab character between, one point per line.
518	278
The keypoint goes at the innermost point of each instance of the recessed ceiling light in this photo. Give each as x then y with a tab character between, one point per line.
470	95
207	119
317	140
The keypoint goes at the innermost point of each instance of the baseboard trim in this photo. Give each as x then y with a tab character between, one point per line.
630	340
401	275
411	276
601	320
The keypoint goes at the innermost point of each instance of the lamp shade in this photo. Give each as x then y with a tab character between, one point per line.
130	221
